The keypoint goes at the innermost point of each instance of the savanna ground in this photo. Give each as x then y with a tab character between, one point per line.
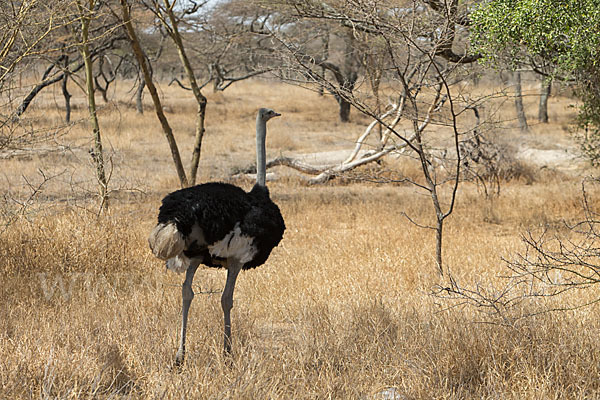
342	309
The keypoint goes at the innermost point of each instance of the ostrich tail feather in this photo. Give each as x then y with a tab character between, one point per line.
166	241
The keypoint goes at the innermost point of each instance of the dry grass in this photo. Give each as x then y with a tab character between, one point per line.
342	309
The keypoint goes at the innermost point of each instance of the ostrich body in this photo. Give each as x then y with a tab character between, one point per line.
218	225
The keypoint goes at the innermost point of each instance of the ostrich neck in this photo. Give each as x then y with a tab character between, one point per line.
261	157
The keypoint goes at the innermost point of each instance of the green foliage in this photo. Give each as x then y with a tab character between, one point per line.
588	136
563	35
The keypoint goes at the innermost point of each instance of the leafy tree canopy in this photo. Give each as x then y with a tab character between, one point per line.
562	33
558	37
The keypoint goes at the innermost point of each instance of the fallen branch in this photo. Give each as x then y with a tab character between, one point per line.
345	167
397	108
323	174
294	164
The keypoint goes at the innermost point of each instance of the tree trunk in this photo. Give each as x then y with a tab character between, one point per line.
546	88
200	117
139	55
431	184
344	109
439	235
139	94
97	152
67	97
519	102
65	91
350	76
200	98
321	90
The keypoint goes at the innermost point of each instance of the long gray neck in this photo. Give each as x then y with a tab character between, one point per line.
261	157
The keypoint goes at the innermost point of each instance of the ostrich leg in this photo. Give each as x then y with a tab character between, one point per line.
187	294
233	269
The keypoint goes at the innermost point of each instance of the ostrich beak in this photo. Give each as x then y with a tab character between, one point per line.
276	114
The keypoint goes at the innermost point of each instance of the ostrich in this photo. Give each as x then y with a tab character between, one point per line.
219	225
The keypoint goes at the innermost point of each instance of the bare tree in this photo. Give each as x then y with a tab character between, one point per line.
421	76
87	11
552	266
345	74
27	30
146	70
227	45
24	28
59	50
214	46
566	262
105	74
333	48
165	11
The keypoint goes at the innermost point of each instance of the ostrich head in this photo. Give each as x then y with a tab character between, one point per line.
266	114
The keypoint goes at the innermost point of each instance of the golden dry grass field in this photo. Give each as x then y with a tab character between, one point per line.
343	308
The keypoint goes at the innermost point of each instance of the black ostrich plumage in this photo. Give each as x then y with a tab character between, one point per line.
217	208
